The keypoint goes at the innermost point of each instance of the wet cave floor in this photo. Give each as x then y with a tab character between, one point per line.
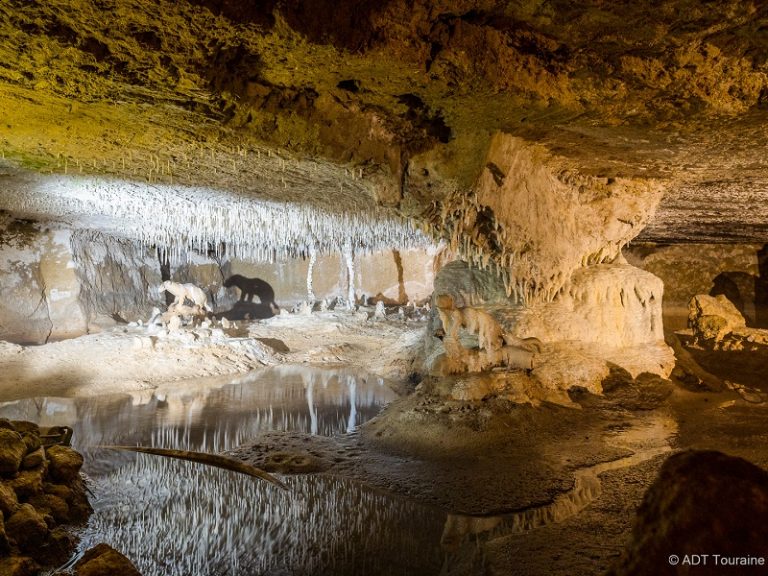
415	484
539	490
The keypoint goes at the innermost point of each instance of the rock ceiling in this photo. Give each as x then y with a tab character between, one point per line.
356	104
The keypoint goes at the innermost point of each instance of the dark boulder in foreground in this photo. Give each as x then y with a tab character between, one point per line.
103	560
706	514
42	496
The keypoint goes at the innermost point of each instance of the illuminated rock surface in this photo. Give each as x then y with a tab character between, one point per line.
540	142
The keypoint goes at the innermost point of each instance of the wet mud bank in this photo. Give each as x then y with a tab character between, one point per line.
529	490
502	473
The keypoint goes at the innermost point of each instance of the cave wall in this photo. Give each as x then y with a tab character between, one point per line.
57	283
740	271
39	290
118	279
396	276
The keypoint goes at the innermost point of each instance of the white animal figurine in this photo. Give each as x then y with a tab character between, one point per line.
188	291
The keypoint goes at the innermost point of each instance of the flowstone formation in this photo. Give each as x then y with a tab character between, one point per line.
608	316
537	220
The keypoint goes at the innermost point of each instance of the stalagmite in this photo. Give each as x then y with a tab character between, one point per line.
349	260
312	260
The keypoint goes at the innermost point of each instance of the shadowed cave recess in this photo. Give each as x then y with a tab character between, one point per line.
484	285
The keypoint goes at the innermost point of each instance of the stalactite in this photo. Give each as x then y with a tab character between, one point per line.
178	219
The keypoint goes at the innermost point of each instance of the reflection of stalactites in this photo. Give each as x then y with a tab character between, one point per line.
352	387
311	405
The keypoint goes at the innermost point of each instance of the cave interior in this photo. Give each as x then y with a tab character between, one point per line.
502	268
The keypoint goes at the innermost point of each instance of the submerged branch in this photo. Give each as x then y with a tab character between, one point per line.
204	458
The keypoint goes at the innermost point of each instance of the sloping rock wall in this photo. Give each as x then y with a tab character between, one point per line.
39	290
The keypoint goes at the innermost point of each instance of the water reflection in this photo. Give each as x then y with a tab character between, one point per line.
178	518
217	414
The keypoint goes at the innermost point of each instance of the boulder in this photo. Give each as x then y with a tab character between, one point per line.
31	440
5	546
26	427
28	527
18	566
12	451
53	505
28	482
57	549
713	317
103	560
64	463
61	490
79	507
34	458
703	502
9	503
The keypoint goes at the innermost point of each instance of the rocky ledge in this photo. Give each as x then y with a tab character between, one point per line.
41	495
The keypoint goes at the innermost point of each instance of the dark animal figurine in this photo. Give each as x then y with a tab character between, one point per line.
250	287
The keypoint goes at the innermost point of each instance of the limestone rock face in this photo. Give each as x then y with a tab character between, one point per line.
38	288
735	270
118	278
612	305
713	317
103	560
701	503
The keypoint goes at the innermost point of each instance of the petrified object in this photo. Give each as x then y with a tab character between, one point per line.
183	292
205	458
495	347
250	287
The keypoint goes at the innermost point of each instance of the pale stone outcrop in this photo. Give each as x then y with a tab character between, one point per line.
39	291
495	348
539	219
613	305
608	314
713	317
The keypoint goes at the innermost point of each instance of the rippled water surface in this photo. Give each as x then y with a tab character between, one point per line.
179	518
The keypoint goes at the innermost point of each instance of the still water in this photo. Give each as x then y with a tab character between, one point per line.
179	518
